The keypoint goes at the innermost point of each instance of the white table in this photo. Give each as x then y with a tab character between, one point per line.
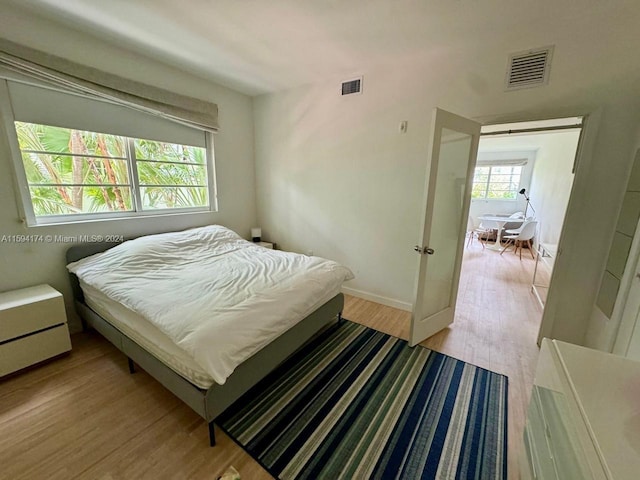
500	222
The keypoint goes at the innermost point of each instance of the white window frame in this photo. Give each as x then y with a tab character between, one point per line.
28	215
491	166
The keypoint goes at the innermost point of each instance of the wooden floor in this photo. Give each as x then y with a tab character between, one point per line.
85	416
496	327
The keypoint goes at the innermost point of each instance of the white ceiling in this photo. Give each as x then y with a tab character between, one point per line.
258	46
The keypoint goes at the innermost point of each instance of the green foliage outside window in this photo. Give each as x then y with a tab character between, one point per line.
496	182
74	171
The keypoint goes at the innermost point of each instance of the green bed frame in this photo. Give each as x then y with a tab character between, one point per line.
211	402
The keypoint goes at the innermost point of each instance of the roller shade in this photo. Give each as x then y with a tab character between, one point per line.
49	107
71	77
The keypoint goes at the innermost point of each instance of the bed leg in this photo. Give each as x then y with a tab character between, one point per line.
340	318
212	435
132	367
85	325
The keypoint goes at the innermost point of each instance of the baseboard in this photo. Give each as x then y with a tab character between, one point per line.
389	302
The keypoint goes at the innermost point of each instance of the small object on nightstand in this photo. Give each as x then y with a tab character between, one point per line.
33	327
265	244
256	234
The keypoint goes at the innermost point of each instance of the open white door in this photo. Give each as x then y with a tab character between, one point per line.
453	152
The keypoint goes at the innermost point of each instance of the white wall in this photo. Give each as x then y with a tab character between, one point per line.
25	264
614	334
335	176
552	181
590	222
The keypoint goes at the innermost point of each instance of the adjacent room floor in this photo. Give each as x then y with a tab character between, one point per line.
85	416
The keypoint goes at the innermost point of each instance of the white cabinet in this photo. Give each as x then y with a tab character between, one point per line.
33	327
584	416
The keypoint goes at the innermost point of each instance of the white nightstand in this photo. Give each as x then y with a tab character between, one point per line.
33	327
265	244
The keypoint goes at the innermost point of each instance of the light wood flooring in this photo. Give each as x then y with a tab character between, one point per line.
85	416
496	327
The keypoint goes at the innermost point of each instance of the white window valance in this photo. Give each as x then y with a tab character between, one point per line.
71	77
513	162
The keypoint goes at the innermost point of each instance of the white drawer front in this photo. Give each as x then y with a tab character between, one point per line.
27	351
31	317
536	443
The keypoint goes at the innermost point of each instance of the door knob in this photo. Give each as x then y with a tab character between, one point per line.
423	250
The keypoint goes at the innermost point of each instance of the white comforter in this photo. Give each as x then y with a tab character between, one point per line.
217	296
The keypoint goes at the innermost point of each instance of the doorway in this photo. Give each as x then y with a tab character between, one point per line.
518	164
524	169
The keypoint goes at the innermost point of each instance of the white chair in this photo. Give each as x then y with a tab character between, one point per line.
527	232
476	231
514	231
470	228
513	225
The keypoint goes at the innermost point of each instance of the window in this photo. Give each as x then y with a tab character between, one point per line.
78	158
77	173
496	182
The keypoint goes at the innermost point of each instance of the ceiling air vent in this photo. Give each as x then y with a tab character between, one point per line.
349	87
529	69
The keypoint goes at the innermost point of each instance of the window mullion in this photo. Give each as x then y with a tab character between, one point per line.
133	174
486	191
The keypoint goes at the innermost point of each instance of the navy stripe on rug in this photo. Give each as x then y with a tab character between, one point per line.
357	403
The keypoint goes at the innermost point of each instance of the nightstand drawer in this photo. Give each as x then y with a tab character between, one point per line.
29	310
32	349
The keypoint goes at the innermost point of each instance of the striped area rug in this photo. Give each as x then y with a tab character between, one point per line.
359	404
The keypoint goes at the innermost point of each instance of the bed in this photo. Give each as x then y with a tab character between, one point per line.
204	312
